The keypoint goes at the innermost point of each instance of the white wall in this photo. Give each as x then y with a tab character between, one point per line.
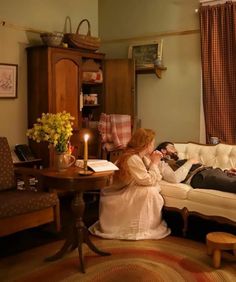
170	105
46	15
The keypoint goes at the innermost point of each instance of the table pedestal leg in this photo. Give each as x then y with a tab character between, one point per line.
78	235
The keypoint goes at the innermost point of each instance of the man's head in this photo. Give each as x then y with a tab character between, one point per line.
168	150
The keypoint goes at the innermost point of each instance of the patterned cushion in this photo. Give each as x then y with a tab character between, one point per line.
7	180
14	202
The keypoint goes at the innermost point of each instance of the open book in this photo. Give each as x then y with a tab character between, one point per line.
97	165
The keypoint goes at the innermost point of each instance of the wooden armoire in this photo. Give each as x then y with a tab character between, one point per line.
55	84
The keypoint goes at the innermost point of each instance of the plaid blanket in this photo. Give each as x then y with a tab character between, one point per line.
115	131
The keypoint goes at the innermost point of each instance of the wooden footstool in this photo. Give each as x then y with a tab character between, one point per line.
217	242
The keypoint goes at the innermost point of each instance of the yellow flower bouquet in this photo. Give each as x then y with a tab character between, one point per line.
56	129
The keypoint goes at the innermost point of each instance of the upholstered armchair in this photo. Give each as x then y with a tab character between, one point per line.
27	208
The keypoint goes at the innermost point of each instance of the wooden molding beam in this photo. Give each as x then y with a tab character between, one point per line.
152	37
4	23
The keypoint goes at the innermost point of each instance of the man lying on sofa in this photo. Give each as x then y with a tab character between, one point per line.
200	176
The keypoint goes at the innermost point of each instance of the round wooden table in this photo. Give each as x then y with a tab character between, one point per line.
217	242
71	180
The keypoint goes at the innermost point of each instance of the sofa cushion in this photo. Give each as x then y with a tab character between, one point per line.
220	155
179	191
213	198
205	154
225	156
15	202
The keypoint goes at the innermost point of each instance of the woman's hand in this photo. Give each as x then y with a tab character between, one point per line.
156	156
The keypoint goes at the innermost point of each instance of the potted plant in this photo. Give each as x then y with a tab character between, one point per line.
56	129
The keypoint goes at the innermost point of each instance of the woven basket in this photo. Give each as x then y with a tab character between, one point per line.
82	41
53	39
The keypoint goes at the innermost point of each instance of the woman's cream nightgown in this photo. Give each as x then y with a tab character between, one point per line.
134	210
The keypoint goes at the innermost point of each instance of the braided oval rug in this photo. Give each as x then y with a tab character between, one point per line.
170	259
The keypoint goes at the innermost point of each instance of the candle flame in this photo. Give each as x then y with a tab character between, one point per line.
86	137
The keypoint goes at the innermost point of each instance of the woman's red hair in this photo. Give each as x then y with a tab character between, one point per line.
139	141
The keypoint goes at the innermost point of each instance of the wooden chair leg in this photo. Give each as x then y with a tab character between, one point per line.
209	250
216	258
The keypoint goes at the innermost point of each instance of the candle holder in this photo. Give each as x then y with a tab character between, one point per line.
85	165
85	171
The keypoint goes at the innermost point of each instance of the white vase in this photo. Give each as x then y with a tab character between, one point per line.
63	161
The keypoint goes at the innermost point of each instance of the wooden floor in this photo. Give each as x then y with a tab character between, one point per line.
168	259
34	237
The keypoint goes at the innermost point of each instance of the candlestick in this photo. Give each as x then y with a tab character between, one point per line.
86	137
85	171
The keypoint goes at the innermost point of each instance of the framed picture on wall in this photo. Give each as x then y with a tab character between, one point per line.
8	80
145	54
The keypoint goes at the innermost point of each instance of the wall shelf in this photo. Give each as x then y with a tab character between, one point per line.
155	69
158	70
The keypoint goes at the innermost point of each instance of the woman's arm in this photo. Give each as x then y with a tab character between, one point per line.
143	175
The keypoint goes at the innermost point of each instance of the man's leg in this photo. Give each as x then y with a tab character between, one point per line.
214	179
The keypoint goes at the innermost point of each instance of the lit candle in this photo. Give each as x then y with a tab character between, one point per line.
86	137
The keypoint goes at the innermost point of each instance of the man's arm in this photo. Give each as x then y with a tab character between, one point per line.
176	176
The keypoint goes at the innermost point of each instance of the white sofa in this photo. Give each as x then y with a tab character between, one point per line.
206	203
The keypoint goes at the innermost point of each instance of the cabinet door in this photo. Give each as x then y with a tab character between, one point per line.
120	87
66	85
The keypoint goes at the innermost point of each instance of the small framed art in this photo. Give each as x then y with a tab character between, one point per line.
8	80
145	54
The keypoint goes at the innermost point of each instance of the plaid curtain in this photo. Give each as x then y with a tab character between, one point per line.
218	51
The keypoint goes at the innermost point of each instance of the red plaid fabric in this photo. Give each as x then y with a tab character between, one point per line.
218	49
115	131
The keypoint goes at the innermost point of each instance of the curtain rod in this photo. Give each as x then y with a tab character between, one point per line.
217	1
204	3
